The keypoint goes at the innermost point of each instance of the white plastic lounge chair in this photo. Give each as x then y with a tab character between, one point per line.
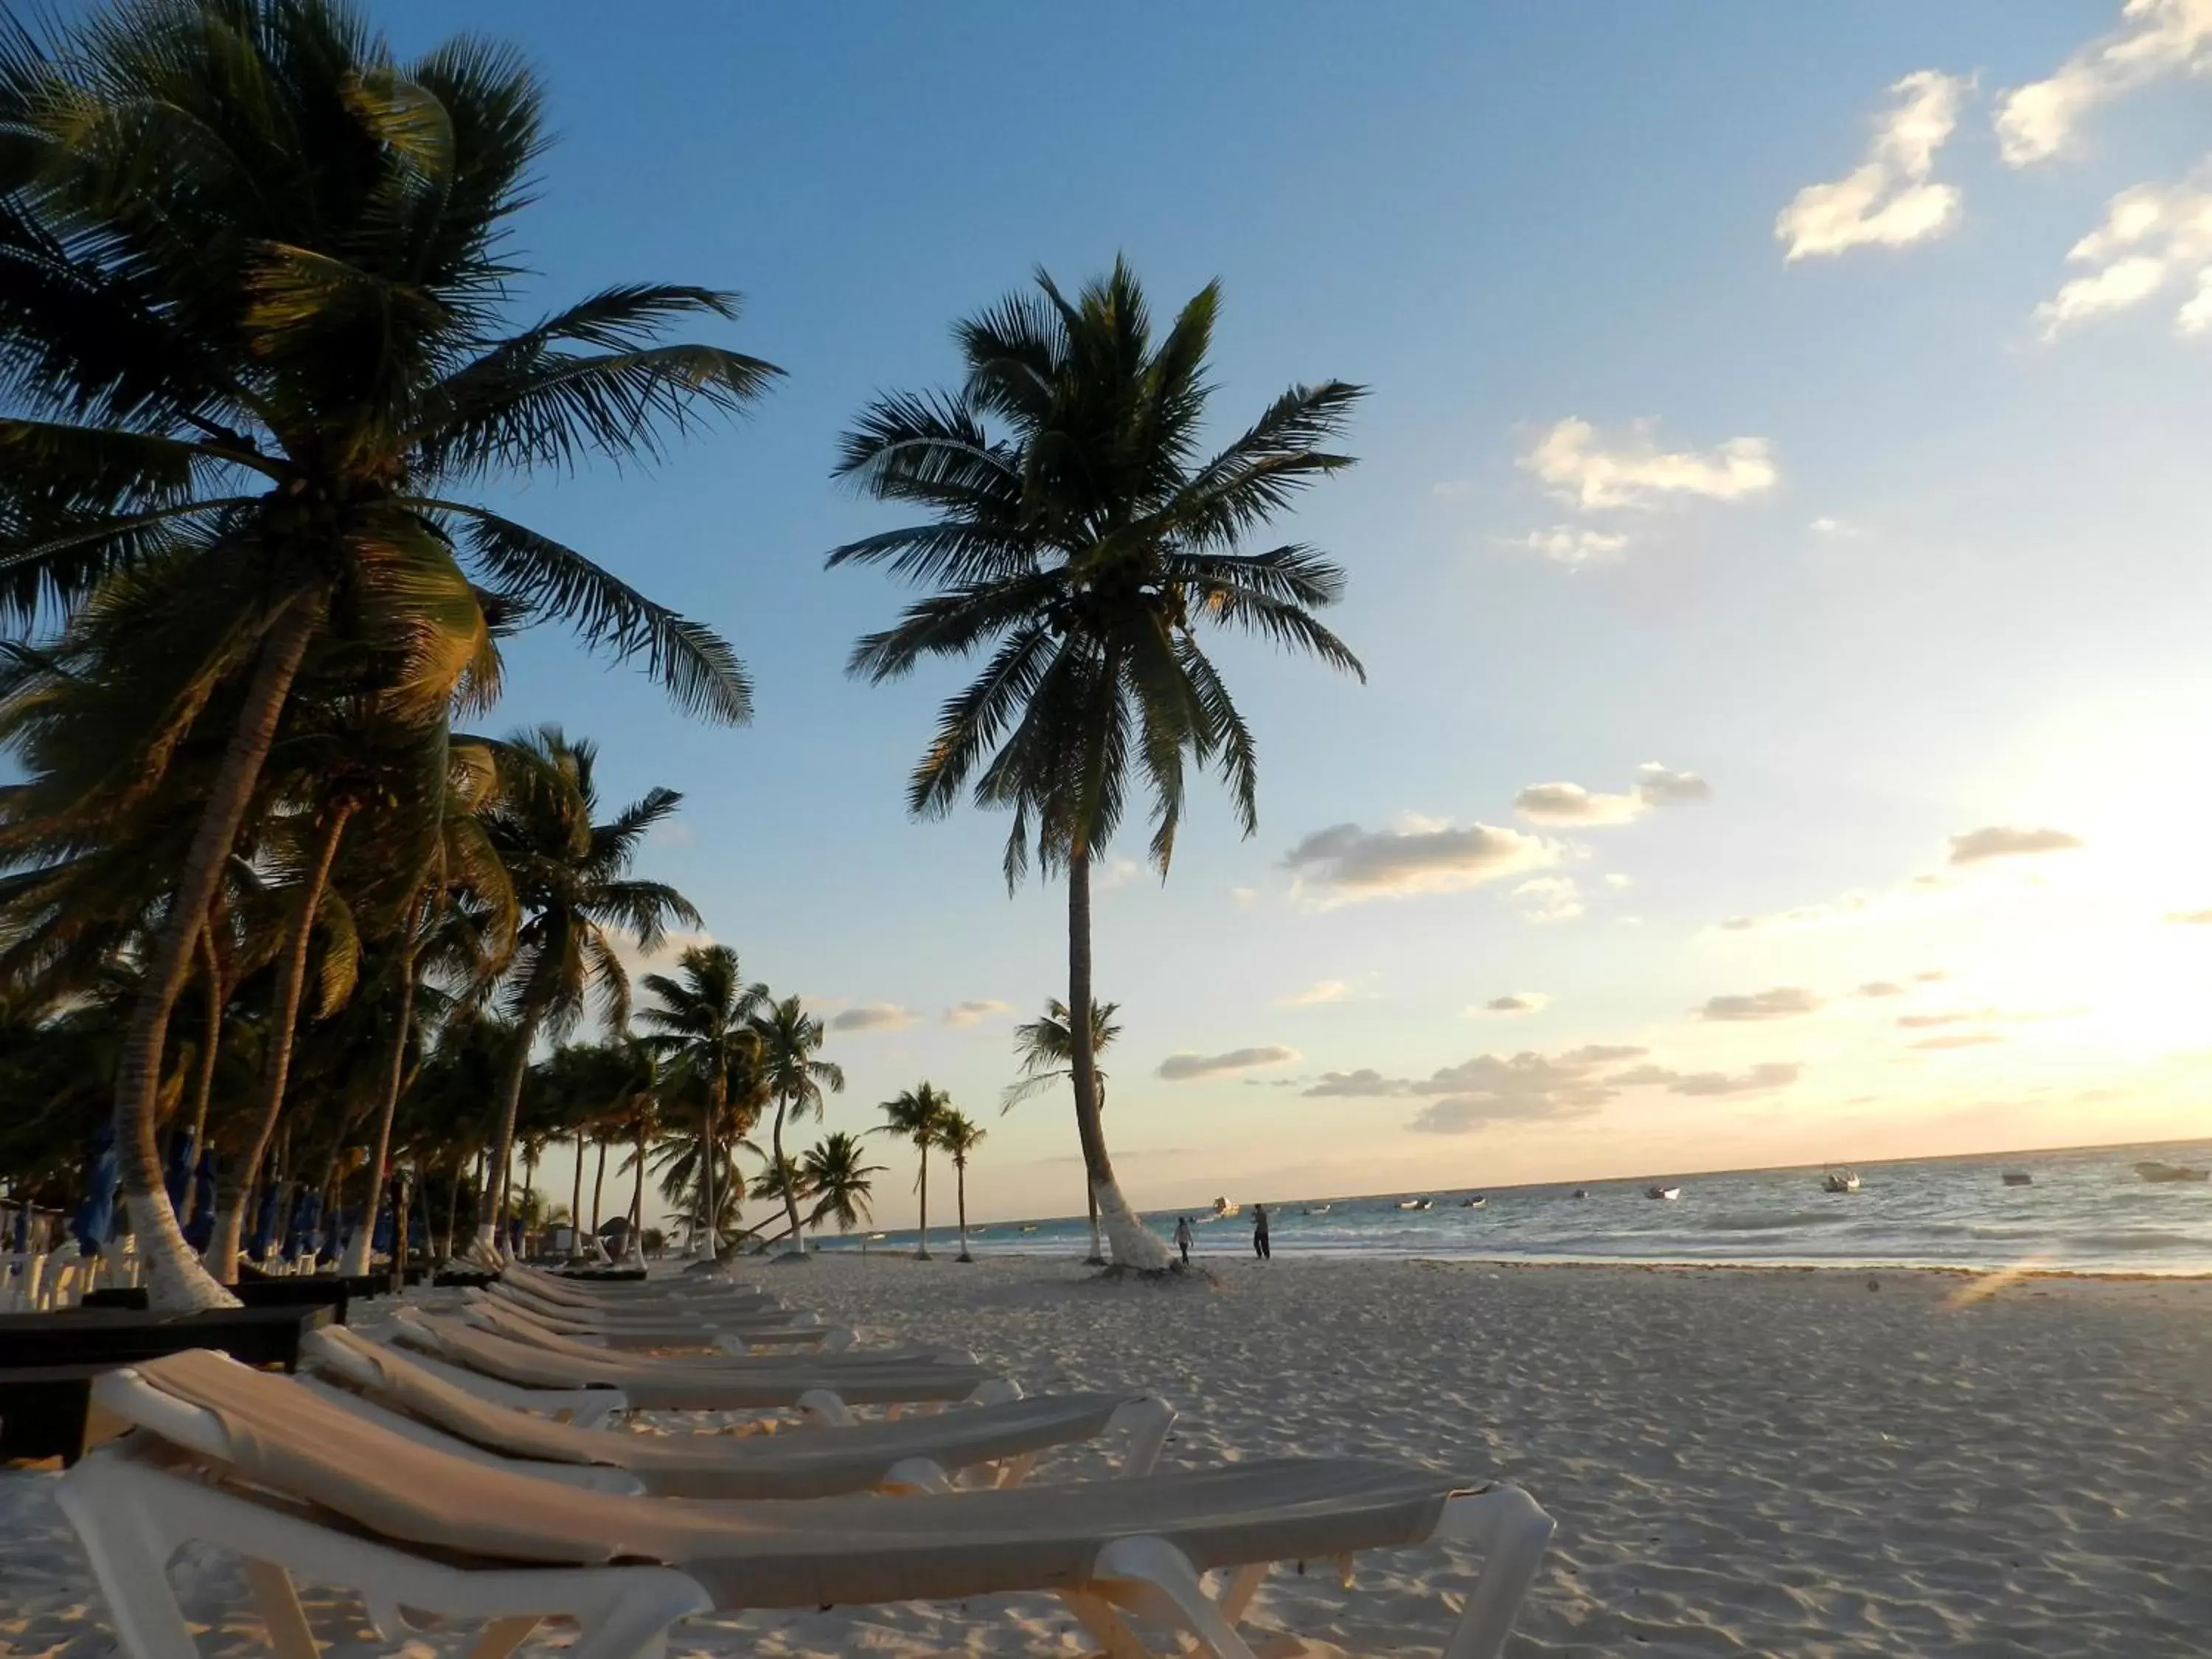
919	1454
761	1309
580	1293
513	1323
252	1460
734	1336
655	1385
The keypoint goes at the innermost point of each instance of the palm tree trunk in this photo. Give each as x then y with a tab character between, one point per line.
576	1203
960	1188
921	1233
599	1181
291	982
491	1206
1135	1245
175	1281
707	1165
204	1084
636	1241
452	1212
798	1239
356	1256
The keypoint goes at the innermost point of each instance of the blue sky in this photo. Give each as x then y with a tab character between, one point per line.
1873	541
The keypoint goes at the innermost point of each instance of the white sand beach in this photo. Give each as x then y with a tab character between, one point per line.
1741	1462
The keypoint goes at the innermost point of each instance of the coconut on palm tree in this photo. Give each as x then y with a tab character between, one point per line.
1074	532
577	901
791	1041
836	1179
957	1136
1046	1048
702	1022
916	1115
258	351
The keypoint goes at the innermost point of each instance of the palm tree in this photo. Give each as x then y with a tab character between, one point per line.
833	1174
1072	531
702	1022
571	887
1046	1048
957	1136
917	1115
790	1040
258	341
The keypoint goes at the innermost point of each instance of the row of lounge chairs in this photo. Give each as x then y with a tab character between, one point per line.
471	1467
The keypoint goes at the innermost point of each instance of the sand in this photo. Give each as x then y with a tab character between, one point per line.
1741	1462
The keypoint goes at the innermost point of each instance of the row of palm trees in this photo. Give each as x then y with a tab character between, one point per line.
259	365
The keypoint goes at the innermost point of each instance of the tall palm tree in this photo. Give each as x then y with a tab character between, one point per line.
573	890
702	1022
1046	1048
1073	528
258	350
835	1175
957	1136
917	1116
790	1040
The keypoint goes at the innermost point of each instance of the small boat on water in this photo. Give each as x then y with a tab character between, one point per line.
1474	1203
1223	1209
1840	1181
2152	1170
1030	1228
2018	1178
1414	1203
1317	1209
1580	1192
1662	1192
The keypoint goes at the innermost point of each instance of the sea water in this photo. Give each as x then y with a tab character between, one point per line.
2088	1211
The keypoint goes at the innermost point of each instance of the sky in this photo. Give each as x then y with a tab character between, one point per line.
1775	554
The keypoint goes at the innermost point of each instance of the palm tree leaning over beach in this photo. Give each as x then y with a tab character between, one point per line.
255	341
1072	529
917	1115
957	1137
702	1022
1046	1048
791	1043
836	1177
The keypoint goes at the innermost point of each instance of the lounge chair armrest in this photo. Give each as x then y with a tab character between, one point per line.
1146	1420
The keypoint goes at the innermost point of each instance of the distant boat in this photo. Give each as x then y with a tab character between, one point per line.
2161	1172
1223	1209
1031	1227
1413	1203
1662	1192
1474	1203
1317	1209
2018	1178
1840	1181
1582	1192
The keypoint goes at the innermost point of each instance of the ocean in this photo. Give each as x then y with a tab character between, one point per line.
2089	1210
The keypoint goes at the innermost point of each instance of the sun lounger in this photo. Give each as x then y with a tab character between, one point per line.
580	1293
757	1310
923	1454
690	1385
738	1336
254	1462
513	1323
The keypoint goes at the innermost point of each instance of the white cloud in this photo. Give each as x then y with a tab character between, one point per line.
873	1016
1781	1003
1570	803
1617	882
1636	474
1960	1040
1346	864
1516	1002
962	1015
1549	898
1114	873
2190	918
1492	1088
1881	988
671	832
1246	898
1180	1068
2004	842
2152	235
1773	1074
1321	991
1566	544
1826	525
2155	38
1891	199
660	960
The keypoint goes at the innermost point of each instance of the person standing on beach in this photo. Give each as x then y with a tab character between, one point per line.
1260	1247
1183	1237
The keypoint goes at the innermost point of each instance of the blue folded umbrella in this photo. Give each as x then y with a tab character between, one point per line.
95	1220
385	1221
265	1224
514	1238
19	1238
199	1231
177	1173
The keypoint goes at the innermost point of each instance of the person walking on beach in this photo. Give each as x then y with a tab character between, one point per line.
1260	1247
1183	1237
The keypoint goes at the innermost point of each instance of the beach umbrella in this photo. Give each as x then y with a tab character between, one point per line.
199	1231
514	1238
385	1221
265	1224
304	1236
19	1237
95	1218
178	1172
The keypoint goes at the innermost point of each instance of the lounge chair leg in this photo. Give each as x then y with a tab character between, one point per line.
1016	1469
1147	1421
824	1409
1107	1627
1242	1586
837	1340
289	1633
1158	1580
916	1474
129	1559
502	1636
1513	1531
